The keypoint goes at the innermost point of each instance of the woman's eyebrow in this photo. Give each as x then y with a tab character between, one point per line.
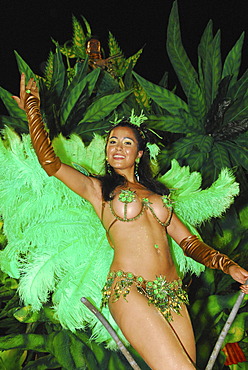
126	137
129	138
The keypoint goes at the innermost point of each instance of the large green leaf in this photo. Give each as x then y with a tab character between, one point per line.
12	359
178	57
238	154
213	70
196	102
42	363
76	91
238	110
203	50
195	160
239	89
11	105
242	140
24	67
220	156
79	37
184	146
58	82
103	107
233	60
178	123
163	97
80	72
238	329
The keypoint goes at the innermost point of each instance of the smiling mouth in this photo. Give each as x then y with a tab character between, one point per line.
118	157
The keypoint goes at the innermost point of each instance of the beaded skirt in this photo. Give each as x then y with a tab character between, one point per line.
167	296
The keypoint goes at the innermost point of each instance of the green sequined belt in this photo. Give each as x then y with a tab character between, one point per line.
166	295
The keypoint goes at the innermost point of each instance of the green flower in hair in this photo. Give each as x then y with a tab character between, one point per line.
137	120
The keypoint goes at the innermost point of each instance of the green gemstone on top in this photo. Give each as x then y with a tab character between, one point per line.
167	202
127	196
130	275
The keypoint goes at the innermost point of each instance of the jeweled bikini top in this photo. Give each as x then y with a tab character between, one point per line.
128	196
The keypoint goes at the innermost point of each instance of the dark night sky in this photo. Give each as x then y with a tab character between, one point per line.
27	26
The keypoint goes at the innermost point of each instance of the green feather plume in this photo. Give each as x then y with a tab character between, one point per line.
194	206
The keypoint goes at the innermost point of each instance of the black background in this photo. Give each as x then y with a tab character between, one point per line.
27	27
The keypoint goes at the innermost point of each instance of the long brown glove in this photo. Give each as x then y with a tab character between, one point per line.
201	252
39	136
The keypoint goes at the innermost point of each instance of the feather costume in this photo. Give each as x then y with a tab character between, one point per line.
56	244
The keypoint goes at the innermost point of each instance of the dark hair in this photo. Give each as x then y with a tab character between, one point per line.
112	179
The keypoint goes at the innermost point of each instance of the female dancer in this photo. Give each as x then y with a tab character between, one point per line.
143	290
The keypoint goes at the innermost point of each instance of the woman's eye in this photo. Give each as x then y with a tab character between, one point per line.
112	141
128	143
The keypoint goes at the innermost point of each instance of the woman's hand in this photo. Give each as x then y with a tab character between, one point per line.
241	275
26	90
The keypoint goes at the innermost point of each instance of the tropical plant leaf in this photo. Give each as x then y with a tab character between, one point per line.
238	329
106	84
18	124
220	156
239	89
87	26
164	80
203	50
213	70
12	359
196	160
179	123
196	102
238	110
103	106
184	146
238	154
44	362
11	106
79	37
119	63
87	130
178	57
58	82
141	96
114	47
133	59
24	67
48	72
242	140
81	69
163	97
75	91
233	60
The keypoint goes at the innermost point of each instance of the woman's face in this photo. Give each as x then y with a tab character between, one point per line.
122	148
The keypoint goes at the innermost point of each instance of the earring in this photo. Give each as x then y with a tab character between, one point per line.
136	174
108	166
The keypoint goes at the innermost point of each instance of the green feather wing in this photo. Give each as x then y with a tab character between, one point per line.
56	243
194	206
192	203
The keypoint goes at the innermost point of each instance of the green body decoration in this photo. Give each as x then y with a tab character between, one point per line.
128	196
167	296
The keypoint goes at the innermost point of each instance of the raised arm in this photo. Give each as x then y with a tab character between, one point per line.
195	248
29	100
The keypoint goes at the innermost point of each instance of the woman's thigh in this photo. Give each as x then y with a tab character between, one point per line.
151	335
